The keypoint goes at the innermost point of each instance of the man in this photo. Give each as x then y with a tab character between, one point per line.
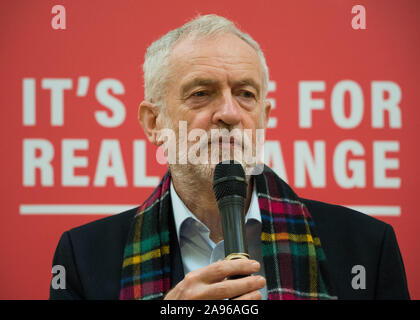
209	75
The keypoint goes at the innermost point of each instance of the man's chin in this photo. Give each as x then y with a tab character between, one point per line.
205	172
193	173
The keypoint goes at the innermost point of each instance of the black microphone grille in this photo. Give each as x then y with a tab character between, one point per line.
229	179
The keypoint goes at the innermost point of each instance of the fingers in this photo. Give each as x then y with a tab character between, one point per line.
254	295
246	288
220	270
211	282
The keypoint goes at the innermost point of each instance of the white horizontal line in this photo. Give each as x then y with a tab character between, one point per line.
74	208
390	211
25	209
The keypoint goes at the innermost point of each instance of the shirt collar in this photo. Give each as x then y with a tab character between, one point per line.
254	208
182	213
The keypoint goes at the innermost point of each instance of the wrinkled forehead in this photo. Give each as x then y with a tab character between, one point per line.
222	51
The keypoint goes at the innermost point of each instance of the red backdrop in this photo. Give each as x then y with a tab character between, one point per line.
344	128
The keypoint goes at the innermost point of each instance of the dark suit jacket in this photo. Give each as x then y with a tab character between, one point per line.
92	255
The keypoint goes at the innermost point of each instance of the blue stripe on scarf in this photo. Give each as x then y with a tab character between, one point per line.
288	220
145	275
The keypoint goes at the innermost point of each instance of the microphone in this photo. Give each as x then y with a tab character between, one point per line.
230	187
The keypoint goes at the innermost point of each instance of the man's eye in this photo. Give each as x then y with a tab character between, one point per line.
247	94
201	93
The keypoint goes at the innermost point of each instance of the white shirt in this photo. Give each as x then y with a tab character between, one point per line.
198	250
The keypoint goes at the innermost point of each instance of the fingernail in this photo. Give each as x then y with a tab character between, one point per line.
261	280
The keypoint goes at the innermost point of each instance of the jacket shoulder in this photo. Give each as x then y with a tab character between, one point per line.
111	225
350	238
340	217
92	255
344	230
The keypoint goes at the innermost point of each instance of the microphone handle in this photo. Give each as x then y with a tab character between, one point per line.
232	214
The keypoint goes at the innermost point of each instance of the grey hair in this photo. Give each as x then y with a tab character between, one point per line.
156	64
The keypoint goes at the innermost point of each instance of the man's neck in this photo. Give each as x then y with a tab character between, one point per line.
198	197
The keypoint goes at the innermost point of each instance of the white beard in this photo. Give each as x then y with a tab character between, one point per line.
192	167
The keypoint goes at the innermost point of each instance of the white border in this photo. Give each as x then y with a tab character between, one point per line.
109	209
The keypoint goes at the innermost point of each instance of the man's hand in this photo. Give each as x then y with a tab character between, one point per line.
210	283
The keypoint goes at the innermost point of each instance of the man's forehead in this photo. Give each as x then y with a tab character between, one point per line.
223	44
225	51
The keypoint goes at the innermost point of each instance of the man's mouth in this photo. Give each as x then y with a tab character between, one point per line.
226	142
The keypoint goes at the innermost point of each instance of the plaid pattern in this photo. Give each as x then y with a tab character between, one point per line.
294	260
146	263
292	253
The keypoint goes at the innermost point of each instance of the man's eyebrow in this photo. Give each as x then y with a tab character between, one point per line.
197	82
211	82
247	82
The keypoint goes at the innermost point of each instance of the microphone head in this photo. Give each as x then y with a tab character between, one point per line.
229	179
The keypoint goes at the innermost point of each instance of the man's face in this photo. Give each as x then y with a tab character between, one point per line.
215	83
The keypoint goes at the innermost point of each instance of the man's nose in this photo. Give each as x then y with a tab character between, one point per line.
228	111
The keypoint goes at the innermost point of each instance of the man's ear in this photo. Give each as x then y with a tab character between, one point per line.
147	115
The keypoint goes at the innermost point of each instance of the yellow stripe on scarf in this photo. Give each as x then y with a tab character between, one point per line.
287	236
147	256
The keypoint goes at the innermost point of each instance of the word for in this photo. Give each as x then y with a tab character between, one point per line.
385	99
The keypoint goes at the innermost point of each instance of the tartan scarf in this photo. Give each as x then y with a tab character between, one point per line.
295	264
